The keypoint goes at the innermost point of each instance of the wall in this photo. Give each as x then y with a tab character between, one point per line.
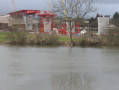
103	25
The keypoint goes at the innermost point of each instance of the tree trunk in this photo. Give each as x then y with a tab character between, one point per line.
71	41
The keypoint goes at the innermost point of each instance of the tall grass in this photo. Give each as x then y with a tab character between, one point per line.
31	39
25	38
112	39
109	40
91	40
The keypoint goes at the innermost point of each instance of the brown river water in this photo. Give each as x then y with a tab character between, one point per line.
58	68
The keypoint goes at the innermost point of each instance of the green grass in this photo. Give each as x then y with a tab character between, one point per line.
67	38
64	38
5	37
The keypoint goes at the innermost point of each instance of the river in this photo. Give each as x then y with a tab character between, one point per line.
58	68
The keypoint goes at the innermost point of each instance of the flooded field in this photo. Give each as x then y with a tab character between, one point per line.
58	68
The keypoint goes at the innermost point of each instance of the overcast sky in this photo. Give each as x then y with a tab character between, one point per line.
103	6
108	1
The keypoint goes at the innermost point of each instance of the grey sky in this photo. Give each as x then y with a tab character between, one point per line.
108	1
106	7
103	6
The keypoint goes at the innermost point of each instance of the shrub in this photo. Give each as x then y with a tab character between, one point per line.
34	39
113	37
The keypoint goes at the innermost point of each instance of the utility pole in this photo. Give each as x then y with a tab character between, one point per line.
13	6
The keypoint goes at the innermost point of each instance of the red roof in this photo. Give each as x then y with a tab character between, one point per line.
29	12
25	12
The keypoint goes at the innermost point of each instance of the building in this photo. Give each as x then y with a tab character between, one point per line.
35	20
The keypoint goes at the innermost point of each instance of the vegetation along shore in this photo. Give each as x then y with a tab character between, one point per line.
88	39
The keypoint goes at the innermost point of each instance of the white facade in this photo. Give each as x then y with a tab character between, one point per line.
103	25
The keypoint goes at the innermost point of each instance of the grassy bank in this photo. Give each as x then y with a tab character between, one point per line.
4	37
35	39
23	38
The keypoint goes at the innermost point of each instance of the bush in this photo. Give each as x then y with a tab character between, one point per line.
18	38
33	39
90	39
112	39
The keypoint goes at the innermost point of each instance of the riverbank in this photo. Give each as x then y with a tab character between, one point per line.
24	38
35	39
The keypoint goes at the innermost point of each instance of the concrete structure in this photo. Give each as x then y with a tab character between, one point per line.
4	21
25	20
9	23
4	18
26	17
103	25
20	20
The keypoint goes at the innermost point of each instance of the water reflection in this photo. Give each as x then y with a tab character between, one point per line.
71	81
15	68
68	75
61	68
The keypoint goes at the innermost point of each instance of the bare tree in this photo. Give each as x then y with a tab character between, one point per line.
75	10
